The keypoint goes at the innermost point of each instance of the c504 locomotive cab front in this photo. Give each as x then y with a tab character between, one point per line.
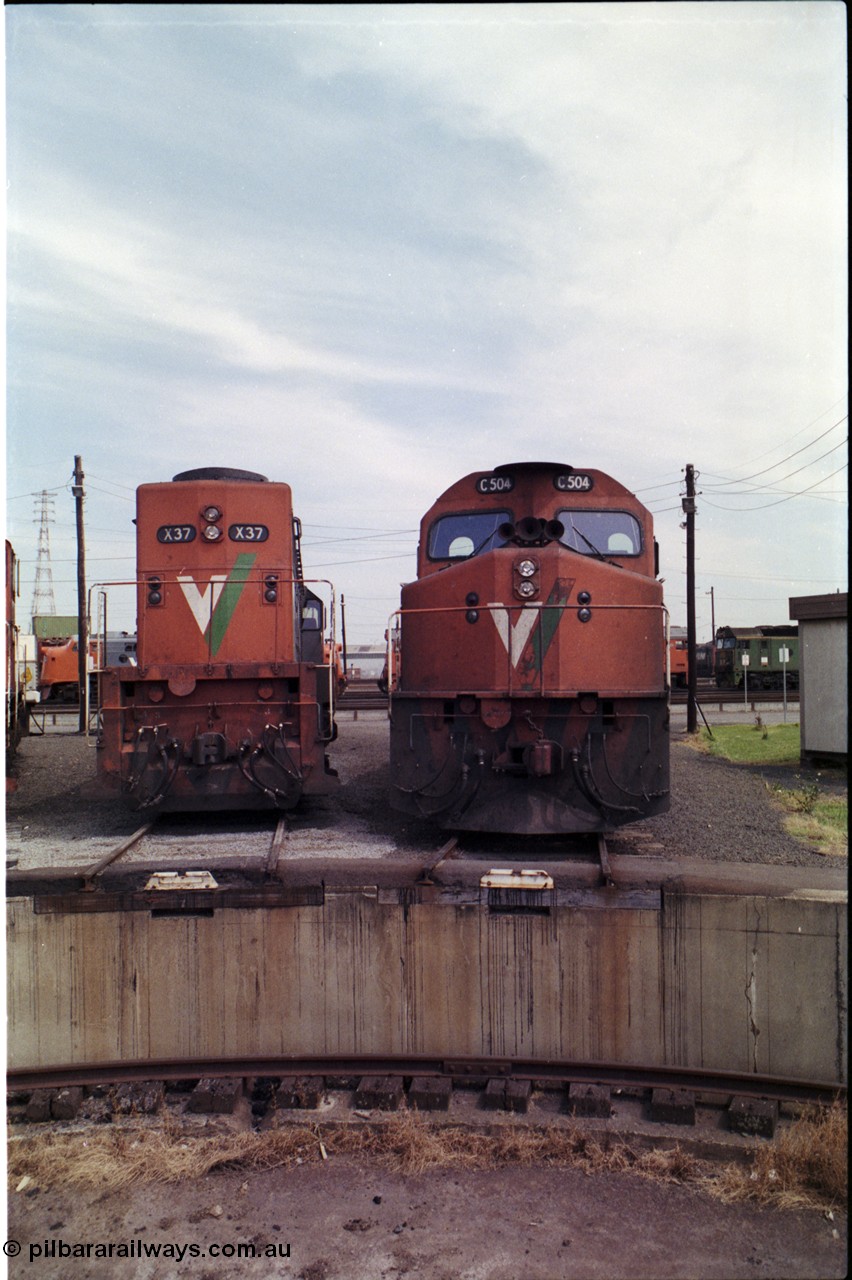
527	663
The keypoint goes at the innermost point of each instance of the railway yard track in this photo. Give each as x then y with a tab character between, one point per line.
719	1116
661	986
505	1083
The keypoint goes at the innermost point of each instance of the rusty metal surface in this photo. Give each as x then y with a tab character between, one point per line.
186	902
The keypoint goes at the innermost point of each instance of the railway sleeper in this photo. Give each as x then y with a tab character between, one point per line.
257	1100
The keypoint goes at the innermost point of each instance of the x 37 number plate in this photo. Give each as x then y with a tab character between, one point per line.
248	532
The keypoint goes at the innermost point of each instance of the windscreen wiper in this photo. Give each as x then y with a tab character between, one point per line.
600	555
476	550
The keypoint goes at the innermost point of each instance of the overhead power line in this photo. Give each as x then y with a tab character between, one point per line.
763	505
789	439
743	479
331	564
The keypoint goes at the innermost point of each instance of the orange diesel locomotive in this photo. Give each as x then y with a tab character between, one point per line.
528	661
230	705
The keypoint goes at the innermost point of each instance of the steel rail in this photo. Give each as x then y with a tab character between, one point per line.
90	874
700	1080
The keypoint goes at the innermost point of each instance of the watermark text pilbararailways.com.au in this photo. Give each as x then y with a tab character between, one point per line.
56	1247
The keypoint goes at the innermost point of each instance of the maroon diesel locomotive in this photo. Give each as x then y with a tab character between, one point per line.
527	665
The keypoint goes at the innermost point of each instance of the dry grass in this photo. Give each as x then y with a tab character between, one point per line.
411	1145
806	1166
825	829
115	1158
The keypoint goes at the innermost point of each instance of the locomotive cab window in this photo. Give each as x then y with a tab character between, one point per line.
312	624
457	537
601	532
312	614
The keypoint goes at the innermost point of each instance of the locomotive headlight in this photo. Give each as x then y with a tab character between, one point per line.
211	532
583	597
525	578
584	614
155	591
210	514
270	588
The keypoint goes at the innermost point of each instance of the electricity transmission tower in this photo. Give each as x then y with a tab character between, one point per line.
43	598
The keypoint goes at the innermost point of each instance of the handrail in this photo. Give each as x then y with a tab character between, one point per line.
395	620
254	577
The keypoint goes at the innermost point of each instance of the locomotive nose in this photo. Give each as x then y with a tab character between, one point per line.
531	531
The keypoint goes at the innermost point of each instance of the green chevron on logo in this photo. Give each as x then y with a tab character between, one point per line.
232	589
540	641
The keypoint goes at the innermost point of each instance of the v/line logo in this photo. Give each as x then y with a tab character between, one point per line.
514	635
535	627
214	607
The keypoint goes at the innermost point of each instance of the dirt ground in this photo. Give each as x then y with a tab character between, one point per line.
350	1220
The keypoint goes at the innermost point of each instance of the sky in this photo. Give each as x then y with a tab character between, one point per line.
368	249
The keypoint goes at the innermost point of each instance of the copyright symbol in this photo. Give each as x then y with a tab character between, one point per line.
11	1248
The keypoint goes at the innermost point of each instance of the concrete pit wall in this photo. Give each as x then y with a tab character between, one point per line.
739	983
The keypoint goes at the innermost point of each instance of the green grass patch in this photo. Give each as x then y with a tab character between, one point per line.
753	744
821	823
816	820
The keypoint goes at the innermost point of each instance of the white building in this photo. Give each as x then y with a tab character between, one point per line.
823	641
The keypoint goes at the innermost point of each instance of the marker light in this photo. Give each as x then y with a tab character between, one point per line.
210	514
526	568
211	532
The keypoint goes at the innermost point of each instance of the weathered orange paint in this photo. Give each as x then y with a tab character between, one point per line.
230	705
524	715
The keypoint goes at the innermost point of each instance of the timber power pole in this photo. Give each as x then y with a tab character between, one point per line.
688	502
82	620
343	634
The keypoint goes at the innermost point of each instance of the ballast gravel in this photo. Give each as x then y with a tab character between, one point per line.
719	812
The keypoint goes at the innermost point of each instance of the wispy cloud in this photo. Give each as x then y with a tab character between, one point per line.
370	248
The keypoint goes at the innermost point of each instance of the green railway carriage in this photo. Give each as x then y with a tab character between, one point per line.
770	652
